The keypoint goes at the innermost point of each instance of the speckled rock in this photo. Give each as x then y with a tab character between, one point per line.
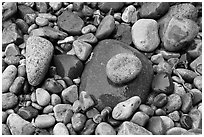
70	94
104	129
60	111
9	100
60	129
106	6
86	100
128	13
5	130
44	121
78	121
174	103
198	82
39	53
156	126
94	80
42	96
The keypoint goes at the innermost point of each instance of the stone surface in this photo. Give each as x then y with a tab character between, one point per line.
176	131
186	74
60	129
52	86
89	127
19	126
8	10
42	96
174	103
9	100
128	13
78	121
187	103
156	126
60	111
55	99
186	122
39	53
28	113
146	109
197	81
104	129
70	22
140	118
41	21
89	38
160	100
129	128
168	122
106	6
86	100
196	65
17	85
196	117
95	82
5	130
44	121
147	38
70	94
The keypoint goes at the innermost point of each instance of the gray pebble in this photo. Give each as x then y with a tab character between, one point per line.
70	94
174	103
104	129
44	121
140	118
9	100
78	121
55	99
60	129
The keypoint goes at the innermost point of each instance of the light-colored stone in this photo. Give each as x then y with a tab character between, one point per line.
168	123
104	129
9	100
140	118
44	121
42	96
60	111
70	94
128	13
86	100
60	129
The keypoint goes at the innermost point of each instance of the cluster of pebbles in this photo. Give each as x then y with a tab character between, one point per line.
103	68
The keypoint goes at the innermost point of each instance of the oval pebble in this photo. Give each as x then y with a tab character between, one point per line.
60	129
104	129
140	118
89	127
52	86
44	121
55	99
198	82
41	21
156	125
128	13
174	103
186	122
160	100
9	100
196	96
42	96
168	123
146	109
187	103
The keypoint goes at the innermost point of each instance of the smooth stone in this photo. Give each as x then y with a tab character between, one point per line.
42	7
123	110
104	129
186	74
78	121
17	85
70	94
71	129
147	38
175	116
60	111
95	82
156	59
174	103
55	5
130	128
68	116
8	10
179	89
196	96
5	130
60	129
12	60
48	109
12	50
146	109
128	13
176	131
44	121
86	100
68	65
187	103
106	6
163	67
70	22
41	21
89	127
23	10
163	83
196	65
39	53
160	112
55	99
196	117
27	113
160	100
52	86
19	126
89	38
8	76
197	81
4	115
156	125
106	27
76	107
153	10
9	100
42	96
92	112
186	122
195	49
168	122
87	11
140	118
196	131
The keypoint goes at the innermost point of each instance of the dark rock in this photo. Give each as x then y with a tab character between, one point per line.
24	10
95	82
28	113
106	6
68	65
70	22
89	127
186	122
9	100
187	75
160	100
52	86
187	103
156	126
22	25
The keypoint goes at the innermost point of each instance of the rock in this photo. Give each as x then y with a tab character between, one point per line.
94	80
91	113
176	131
129	128
179	89
196	65
42	96
163	67
127	14
159	112
174	103
55	99
89	127
187	103
4	116
5	130
125	109
60	129
89	38
153	10
39	131
9	100
160	100
52	86
198	82
70	94
11	34
87	11
179	32
140	118
123	33
17	85
44	121
196	131
55	5
196	96
8	76
147	38
60	111
186	122
156	126
71	129
28	113
86	100
39	53
8	10
106	6
89	28
76	107
78	121
82	49
186	74
156	59
42	7
196	117
25	11
146	109
175	116
163	83
68	65
48	32
106	27
195	49
168	122
48	109
41	21
19	126
104	129
70	22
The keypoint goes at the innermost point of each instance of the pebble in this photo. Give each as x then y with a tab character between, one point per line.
68	115
176	131
52	86
17	85
106	6
9	100
187	103
8	76
196	96
42	96
44	121
60	129
113	122
160	100
146	39
106	27
55	99
163	67
89	127
70	94
87	11
168	122
175	116
130	128
41	21
86	100
156	125
98	118
12	50
167	55
48	16
187	75
88	29
8	10
196	117
4	116
22	70
28	113
127	14
88	38
5	130
146	109
125	109
70	22
48	109
92	112
195	49
179	89
32	27
55	5
140	118
174	103
186	122
69	39
38	58
163	83
156	59
196	65
76	107
78	121
104	129
160	112
82	49
60	111
42	7
36	106
123	68
198	82
19	126
71	129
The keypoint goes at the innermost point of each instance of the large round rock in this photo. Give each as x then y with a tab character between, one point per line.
94	79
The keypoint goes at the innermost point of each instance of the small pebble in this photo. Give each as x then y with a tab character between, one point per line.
42	96
160	100
187	75
52	86
78	121
198	82
89	127
128	13
67	117
41	21
86	100
17	85
4	116
89	28
92	112
160	112
168	122
28	113
196	117
156	125
48	109
186	122
60	129
175	116
9	100
55	5
196	96
174	103
104	129
70	94
76	107
156	59
55	99
44	121
71	129
35	105
176	131
179	89
140	118
98	118
187	103
146	109
60	111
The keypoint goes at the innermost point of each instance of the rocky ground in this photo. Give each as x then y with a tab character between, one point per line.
101	68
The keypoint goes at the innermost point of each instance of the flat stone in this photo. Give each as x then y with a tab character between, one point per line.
60	111
39	53
9	9
94	80
68	65
60	129
104	129
28	113
44	121
106	6
70	22
129	128
156	125
70	94
9	100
